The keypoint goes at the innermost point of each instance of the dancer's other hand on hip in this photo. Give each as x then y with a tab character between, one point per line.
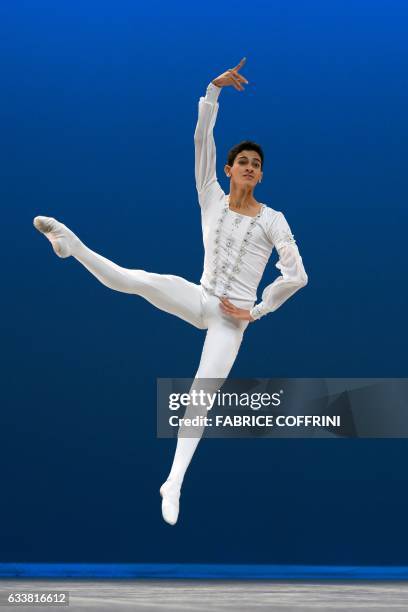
232	77
238	313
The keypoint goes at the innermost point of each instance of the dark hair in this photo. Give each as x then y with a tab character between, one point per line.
245	145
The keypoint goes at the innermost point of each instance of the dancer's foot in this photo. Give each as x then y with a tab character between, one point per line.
64	242
170	492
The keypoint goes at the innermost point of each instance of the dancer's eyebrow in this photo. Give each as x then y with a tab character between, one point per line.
246	157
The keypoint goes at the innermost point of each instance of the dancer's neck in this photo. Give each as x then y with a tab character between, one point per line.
242	199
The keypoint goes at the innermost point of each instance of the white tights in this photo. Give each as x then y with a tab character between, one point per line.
193	304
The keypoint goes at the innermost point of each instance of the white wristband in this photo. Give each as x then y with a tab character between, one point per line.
257	312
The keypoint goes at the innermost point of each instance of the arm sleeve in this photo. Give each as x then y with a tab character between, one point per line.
293	275
205	153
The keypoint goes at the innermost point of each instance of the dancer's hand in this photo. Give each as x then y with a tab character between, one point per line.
234	311
232	77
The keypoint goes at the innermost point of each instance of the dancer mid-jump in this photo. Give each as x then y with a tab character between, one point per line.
239	234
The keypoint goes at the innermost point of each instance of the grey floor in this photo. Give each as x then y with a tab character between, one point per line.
217	596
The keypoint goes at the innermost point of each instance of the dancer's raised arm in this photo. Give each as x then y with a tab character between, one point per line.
205	152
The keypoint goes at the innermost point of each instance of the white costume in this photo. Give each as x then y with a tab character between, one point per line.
237	248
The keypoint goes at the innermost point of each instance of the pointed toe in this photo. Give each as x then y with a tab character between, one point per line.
62	239
170	512
42	223
170	493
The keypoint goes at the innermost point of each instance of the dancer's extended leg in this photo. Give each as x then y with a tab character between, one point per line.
220	349
176	296
170	293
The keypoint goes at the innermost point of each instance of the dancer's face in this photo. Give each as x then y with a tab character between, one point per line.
246	169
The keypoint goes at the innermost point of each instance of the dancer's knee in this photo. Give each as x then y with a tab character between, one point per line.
122	279
135	281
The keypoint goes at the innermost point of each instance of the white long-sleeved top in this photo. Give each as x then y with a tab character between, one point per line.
237	247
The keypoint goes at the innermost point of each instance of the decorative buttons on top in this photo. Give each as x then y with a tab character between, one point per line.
229	241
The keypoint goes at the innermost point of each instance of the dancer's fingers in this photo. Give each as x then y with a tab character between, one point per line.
233	77
241	77
235	86
241	63
230	313
235	81
228	306
234	311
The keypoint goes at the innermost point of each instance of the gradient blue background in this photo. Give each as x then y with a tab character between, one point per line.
98	109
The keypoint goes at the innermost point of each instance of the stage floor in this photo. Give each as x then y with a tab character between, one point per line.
214	595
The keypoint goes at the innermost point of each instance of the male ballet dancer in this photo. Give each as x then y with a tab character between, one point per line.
239	234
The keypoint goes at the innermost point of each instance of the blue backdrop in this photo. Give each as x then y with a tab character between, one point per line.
98	109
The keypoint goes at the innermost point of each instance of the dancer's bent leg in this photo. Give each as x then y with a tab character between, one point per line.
170	293
220	349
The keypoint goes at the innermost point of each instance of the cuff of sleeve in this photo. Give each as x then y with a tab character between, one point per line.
213	92
257	311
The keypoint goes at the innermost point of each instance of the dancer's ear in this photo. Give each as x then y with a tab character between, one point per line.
227	170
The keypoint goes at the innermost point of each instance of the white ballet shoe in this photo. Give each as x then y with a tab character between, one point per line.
62	239
170	493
